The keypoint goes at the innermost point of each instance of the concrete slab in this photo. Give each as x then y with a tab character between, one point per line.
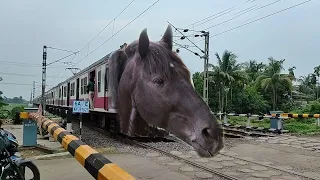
139	167
17	130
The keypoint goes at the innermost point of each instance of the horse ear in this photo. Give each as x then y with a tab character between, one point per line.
143	43
167	37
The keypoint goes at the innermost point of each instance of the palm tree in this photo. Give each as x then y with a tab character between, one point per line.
227	73
314	82
305	85
317	73
292	77
272	78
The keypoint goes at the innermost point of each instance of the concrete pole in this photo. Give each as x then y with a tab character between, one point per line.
205	73
44	70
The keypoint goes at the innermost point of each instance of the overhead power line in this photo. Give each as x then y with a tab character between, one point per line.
185	47
264	6
258	19
107	25
118	31
61	58
262	18
15	74
187	38
239	15
102	31
245	10
18	84
228	11
62	49
15	63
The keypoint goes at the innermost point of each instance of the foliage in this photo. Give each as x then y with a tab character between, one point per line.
249	100
15	100
3	113
255	87
15	116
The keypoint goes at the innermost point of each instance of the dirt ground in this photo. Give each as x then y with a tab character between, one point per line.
280	153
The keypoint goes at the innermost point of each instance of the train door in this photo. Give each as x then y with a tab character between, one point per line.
68	93
52	97
61	96
106	73
77	92
93	74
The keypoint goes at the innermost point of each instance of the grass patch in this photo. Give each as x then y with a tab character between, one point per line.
12	105
295	126
254	122
302	126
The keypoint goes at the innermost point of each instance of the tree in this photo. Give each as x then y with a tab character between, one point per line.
197	79
291	73
226	74
317	73
273	79
254	69
249	100
292	77
1	101
305	85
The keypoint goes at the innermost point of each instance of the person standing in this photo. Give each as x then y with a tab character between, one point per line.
90	90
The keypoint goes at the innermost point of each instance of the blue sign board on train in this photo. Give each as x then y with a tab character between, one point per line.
80	107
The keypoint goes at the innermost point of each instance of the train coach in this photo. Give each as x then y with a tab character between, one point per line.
59	100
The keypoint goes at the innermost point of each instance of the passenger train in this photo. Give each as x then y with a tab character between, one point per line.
59	99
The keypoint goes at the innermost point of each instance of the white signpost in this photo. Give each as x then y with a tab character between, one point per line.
80	107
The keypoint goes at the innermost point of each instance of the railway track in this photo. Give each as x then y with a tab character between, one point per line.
204	168
143	143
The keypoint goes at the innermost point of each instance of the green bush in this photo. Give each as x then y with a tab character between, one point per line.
16	119
4	113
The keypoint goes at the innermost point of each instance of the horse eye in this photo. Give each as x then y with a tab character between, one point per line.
158	81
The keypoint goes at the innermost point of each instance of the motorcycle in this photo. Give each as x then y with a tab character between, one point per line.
12	167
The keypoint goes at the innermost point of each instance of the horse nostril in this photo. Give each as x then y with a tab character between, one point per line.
207	132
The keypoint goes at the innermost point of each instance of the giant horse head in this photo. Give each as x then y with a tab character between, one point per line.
148	79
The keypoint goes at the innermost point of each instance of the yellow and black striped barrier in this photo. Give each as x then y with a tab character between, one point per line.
96	164
285	115
297	115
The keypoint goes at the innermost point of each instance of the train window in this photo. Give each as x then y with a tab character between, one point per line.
59	92
85	85
81	86
99	81
106	79
65	91
73	88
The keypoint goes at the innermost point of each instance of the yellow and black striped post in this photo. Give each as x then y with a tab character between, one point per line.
96	164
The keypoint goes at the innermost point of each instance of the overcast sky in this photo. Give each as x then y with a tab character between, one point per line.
28	25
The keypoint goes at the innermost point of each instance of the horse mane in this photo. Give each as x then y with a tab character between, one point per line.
159	60
116	63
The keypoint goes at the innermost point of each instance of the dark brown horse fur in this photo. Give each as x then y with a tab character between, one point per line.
149	83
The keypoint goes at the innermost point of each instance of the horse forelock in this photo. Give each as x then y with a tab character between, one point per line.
159	59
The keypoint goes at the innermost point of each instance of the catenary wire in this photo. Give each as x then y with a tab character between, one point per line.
258	19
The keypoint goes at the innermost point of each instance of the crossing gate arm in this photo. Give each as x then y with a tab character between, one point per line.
282	116
95	163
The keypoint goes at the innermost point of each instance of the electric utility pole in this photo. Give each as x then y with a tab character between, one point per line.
44	69
30	102
33	91
205	73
